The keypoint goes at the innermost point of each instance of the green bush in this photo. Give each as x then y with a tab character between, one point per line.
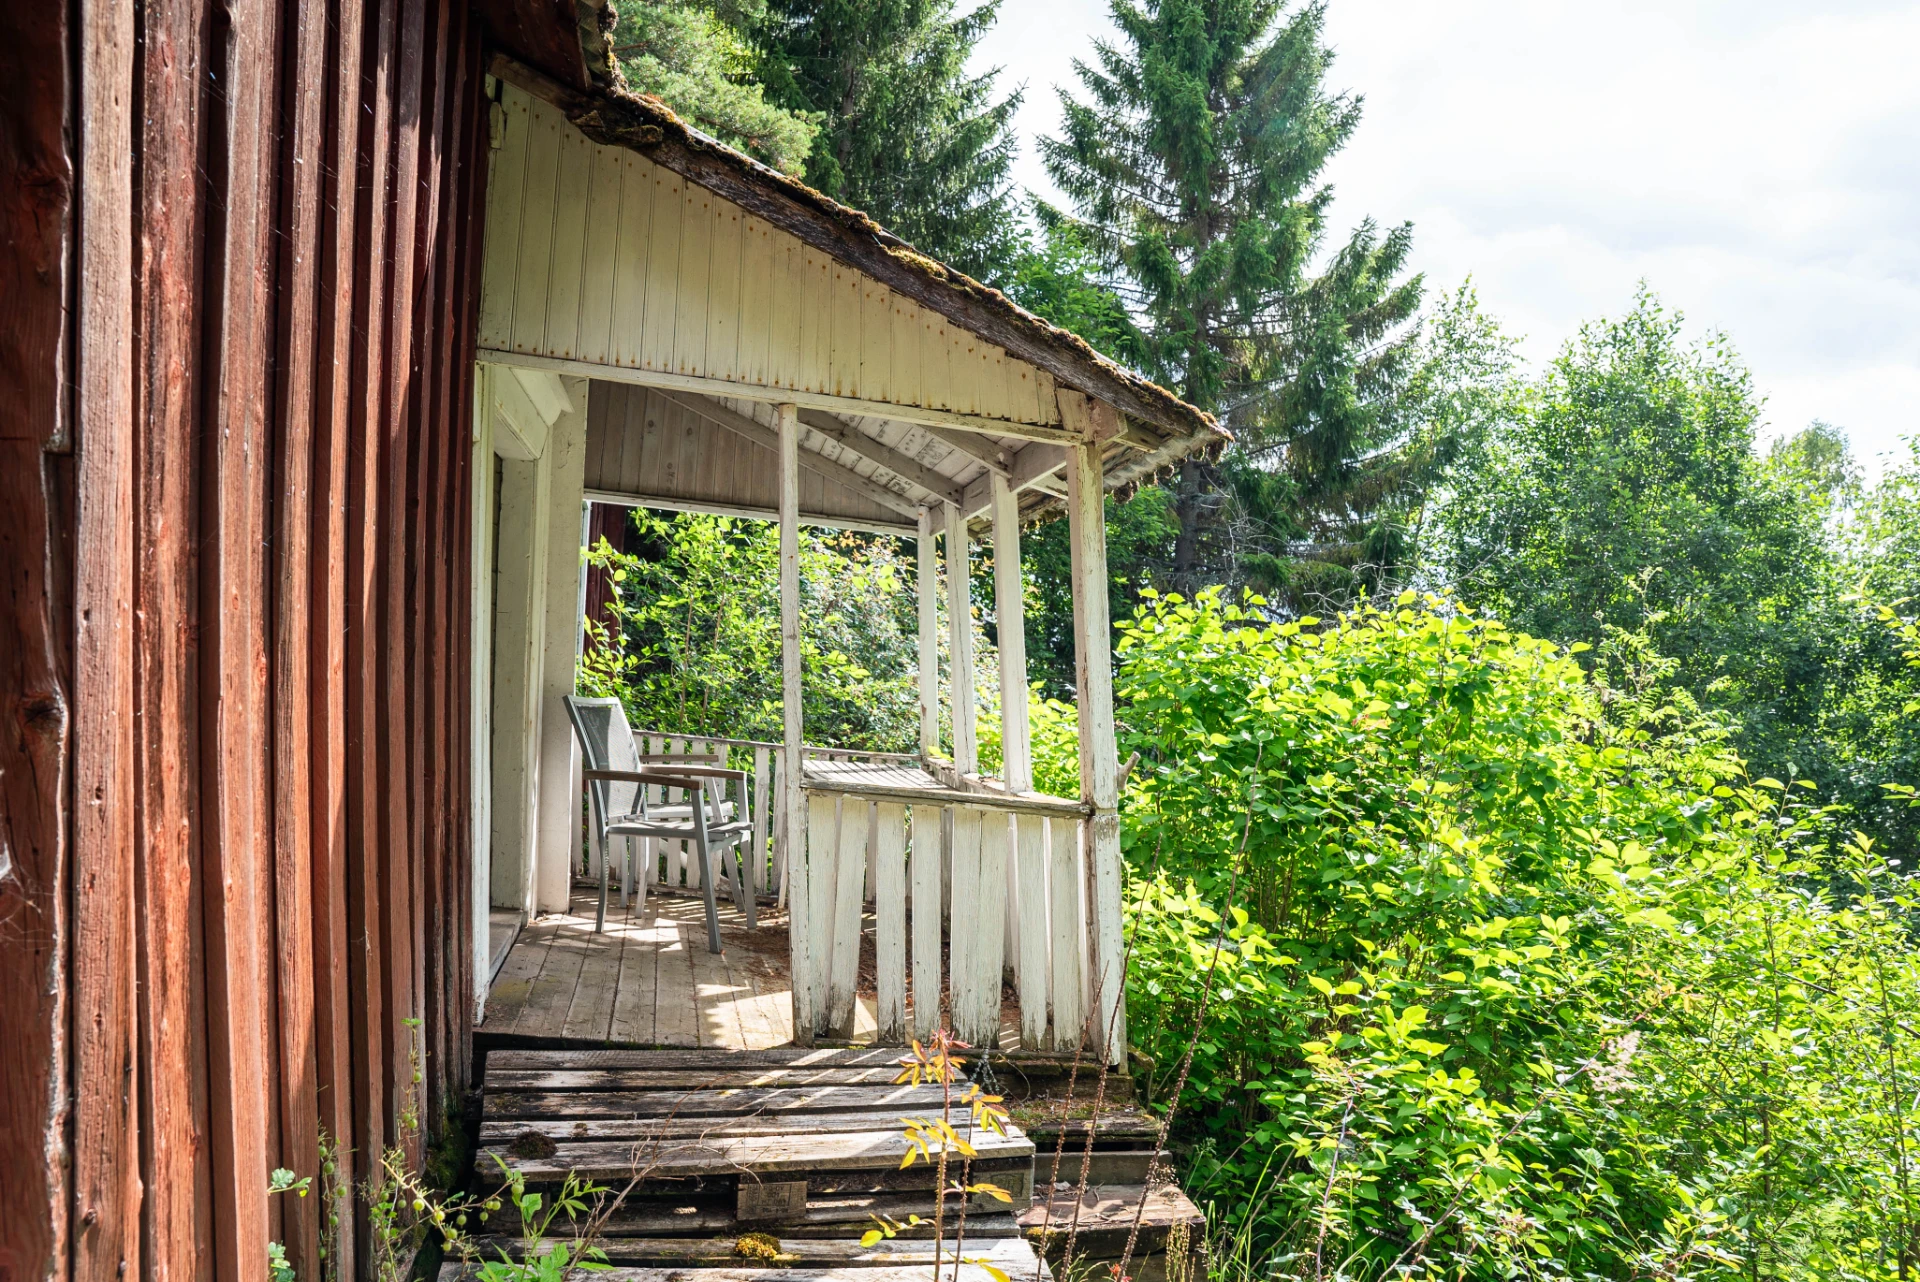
1491	965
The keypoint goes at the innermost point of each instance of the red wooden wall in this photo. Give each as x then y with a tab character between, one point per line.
238	264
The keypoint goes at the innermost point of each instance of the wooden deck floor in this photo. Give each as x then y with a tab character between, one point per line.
648	979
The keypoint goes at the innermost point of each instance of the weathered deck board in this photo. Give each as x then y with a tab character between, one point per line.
647	980
808	1099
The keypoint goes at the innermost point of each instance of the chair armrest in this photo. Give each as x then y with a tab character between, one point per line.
669	778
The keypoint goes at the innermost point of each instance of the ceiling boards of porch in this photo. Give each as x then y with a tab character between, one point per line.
597	257
663	448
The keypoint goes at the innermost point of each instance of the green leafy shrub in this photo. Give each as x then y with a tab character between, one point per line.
1494	965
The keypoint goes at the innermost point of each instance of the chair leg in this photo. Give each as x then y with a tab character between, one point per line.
742	891
600	921
703	852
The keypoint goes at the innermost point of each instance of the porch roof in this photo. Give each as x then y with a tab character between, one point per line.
978	384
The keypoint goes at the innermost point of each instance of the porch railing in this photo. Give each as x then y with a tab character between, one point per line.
904	852
960	886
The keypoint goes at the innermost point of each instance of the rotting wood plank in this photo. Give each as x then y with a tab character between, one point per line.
737	1102
551	994
857	1153
779	1057
105	1148
850	1273
694	1079
566	1129
829	1217
715	992
589	1014
1010	1254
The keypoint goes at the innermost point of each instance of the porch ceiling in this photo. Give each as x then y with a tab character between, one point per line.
653	446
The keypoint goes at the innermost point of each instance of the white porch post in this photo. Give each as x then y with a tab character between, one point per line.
966	751
928	588
560	816
480	694
1011	607
792	800
1099	765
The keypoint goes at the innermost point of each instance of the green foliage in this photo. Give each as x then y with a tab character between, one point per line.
1193	166
696	58
908	134
1519	973
697	648
1622	488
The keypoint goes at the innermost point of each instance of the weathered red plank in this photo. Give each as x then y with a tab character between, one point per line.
397	801
375	1020
36	225
167	318
236	855
106	1153
303	111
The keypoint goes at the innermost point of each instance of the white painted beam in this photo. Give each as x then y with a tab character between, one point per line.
1033	468
927	588
838	473
1099	765
633	498
560	816
848	406
966	749
800	940
1010	608
904	466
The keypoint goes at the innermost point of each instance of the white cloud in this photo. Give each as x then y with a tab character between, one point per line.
1756	161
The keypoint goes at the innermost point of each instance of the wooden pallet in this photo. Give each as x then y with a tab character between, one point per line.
769	1133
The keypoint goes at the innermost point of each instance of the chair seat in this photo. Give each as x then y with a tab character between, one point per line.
674	813
675	830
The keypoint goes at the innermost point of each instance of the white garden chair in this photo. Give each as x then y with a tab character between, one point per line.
618	776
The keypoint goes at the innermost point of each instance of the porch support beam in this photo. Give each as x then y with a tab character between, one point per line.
839	473
1033	468
700	385
1010	609
799	927
559	808
1099	765
927	586
966	750
629	498
904	466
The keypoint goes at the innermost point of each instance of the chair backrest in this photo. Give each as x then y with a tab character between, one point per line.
606	744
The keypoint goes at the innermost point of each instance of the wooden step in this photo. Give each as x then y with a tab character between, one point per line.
1101	1219
565	1130
517	1103
828	1273
682	1079
828	1217
785	1057
1010	1254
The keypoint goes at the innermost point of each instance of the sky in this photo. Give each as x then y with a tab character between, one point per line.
1756	162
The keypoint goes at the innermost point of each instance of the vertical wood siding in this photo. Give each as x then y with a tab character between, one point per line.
597	254
241	254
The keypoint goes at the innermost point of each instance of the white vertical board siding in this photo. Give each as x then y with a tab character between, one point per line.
597	254
927	858
1067	947
890	924
1030	882
843	976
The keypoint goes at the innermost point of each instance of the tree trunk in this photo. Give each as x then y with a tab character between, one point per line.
1186	510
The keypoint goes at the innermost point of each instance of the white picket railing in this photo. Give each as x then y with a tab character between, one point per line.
902	852
958	883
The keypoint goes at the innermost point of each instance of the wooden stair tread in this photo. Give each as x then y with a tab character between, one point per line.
723	1250
785	1057
707	1103
565	1130
736	1155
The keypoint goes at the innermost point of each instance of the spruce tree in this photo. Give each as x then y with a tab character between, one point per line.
907	134
697	59
1193	167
